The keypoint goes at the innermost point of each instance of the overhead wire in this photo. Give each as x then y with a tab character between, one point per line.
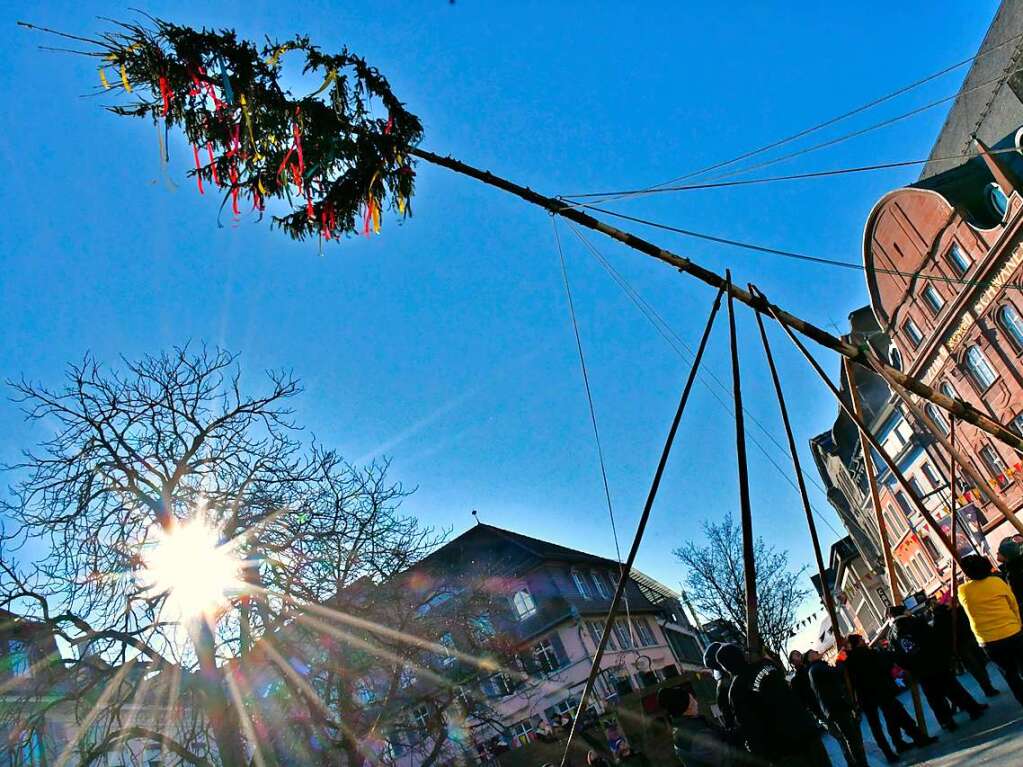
685	352
839	118
790	253
593	413
626	193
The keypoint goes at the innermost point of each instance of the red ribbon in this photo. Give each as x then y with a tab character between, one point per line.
165	95
198	167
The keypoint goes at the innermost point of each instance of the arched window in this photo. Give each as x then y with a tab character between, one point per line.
949	390
1009	319
895	358
997	200
979	367
935	414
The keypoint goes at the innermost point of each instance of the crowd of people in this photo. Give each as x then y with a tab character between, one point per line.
770	716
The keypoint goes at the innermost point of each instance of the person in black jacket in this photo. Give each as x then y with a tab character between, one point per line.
776	726
918	651
869	671
1010	557
697	741
965	648
800	684
835	703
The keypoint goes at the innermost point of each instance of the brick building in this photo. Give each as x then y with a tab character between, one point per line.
944	266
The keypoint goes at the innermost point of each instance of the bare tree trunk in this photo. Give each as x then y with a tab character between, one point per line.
962	410
223	721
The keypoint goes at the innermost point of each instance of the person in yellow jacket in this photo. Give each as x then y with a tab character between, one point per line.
995	619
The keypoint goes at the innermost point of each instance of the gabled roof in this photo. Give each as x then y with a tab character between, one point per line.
539	549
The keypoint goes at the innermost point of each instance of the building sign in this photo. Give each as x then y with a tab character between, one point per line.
969	533
984	301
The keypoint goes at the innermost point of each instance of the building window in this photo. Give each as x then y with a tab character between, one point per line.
937	417
933	298
997	200
447	642
499	685
895	358
18	663
644	632
949	390
980	369
364	691
546	656
623	631
595	629
1017	424
482	628
894	521
931	548
916	487
421	717
521	733
406	677
932	475
601	583
581	585
903	501
994	464
959	260
1010	320
912	332
524	605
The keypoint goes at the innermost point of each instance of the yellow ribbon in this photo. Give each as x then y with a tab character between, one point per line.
248	126
331	77
124	78
103	78
272	60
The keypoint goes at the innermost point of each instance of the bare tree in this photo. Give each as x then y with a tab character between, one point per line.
133	453
714	576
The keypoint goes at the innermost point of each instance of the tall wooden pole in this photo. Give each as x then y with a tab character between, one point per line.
874	442
828	597
749	565
968	469
962	410
875	496
953	594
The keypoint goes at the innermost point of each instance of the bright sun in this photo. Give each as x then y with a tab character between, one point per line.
188	562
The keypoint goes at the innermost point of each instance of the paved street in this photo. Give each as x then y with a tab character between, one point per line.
994	739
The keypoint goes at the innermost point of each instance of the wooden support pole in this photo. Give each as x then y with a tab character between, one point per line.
644	517
828	597
874	442
962	410
749	565
875	496
956	456
953	593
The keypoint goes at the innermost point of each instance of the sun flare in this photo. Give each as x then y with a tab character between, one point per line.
190	565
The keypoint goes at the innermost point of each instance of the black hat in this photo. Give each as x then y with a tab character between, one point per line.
731	658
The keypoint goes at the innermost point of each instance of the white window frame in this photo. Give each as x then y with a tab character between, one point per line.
1013	326
949	390
642	625
601	584
993	462
957	267
935	414
523	604
913	332
979	368
546	656
931	474
581	586
934	300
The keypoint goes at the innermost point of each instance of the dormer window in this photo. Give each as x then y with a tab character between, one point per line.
601	583
997	199
933	298
579	579
913	332
959	260
523	603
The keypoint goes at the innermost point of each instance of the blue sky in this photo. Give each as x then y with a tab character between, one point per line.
445	343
